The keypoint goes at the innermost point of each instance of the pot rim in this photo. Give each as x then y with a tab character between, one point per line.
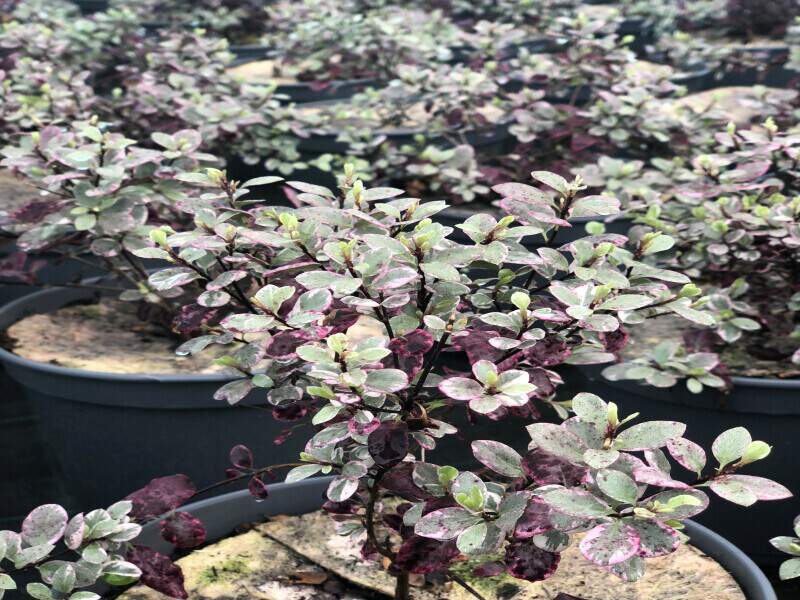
745	572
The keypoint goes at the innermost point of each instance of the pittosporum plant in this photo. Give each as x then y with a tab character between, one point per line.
422	131
735	226
328	42
239	21
182	83
790	569
103	197
475	327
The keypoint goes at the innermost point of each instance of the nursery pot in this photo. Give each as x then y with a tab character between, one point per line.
112	433
768	408
303	92
87	7
223	514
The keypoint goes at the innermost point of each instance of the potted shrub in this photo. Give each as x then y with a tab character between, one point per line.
733	223
383	401
241	22
744	42
105	197
325	51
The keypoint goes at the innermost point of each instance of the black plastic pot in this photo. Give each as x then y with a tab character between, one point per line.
304	92
223	514
112	433
768	408
642	31
489	142
775	76
87	7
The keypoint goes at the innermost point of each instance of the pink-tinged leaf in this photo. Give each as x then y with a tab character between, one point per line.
655	538
446	523
44	525
610	543
389	443
161	496
73	534
523	192
183	529
594	206
158	571
461	388
525	560
687	454
422	555
241	457
394	278
654	477
747	489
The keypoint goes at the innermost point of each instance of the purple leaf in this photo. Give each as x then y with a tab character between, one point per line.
158	571
257	488
160	496
524	560
610	543
489	569
535	520
548	352
388	444
183	529
422	555
241	457
544	468
282	345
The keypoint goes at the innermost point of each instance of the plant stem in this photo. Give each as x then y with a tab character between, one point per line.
401	589
465	585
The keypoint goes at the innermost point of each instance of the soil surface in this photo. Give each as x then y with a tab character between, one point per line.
107	337
261	71
739	104
302	558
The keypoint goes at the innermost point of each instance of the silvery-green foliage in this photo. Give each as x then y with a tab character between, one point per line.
324	41
734	221
790	569
70	553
